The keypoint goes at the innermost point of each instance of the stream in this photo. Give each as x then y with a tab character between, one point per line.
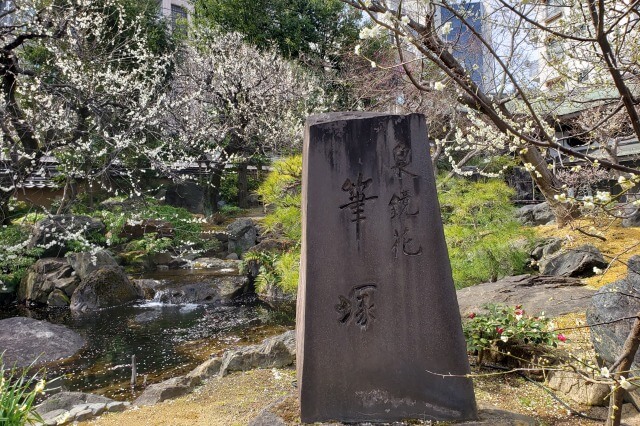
168	335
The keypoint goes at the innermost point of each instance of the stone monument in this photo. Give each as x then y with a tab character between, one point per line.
379	336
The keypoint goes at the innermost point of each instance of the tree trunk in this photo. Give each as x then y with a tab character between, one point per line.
622	366
68	196
213	191
548	185
5	217
243	186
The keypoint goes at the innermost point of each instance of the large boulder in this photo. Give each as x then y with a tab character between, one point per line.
552	295
576	262
606	316
24	340
172	388
87	262
544	251
70	407
104	288
67	400
243	235
632	220
211	290
53	232
187	195
578	389
535	214
274	352
43	278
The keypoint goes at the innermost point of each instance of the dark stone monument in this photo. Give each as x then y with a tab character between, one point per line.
379	336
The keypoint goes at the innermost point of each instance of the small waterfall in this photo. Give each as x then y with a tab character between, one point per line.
168	297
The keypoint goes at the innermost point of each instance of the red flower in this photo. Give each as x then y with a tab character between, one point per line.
500	330
518	306
562	337
472	315
519	311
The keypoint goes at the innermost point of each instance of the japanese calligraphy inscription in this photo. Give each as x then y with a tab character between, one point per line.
377	310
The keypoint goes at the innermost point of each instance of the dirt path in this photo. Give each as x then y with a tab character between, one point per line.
233	400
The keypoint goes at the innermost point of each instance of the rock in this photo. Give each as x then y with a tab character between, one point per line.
117	406
137	230
217	290
97	408
214	263
178	263
68	400
273	244
147	287
160	259
187	195
232	256
86	262
267	418
25	339
58	299
553	295
52	417
542	253
222	237
632	218
275	352
103	288
82	415
172	388
577	262
243	235
578	389
43	277
535	214
207	369
59	227
608	306
273	294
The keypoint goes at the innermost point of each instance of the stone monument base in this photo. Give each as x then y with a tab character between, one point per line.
286	412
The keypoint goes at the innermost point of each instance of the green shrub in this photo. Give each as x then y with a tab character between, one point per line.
507	331
187	229
18	394
229	210
149	243
484	239
280	270
229	186
15	257
281	192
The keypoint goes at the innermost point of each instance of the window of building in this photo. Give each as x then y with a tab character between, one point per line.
178	18
554	8
6	6
554	47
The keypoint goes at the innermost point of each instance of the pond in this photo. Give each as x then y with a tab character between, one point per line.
168	339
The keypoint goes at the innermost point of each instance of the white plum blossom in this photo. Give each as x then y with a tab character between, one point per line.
626	384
